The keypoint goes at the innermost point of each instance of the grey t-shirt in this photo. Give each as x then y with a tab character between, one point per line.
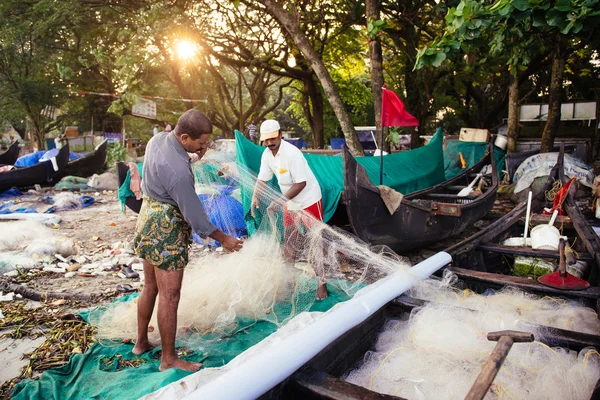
168	177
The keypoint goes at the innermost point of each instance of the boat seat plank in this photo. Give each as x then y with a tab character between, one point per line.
524	283
549	335
528	251
444	196
456	188
324	386
540	219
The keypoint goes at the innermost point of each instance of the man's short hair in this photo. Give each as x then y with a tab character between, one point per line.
194	123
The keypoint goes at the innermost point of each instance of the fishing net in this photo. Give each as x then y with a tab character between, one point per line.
439	350
273	278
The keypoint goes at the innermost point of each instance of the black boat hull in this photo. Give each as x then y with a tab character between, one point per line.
89	164
10	156
39	174
424	217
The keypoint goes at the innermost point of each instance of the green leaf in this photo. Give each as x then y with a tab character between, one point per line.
459	10
505	10
564	5
520	5
556	18
539	20
439	58
577	27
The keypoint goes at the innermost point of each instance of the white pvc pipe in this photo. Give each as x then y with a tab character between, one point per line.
267	369
527	219
554	214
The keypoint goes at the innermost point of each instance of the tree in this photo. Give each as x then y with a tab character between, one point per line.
30	45
521	30
289	22
374	28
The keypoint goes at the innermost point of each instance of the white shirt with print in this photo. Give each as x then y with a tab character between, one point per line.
290	167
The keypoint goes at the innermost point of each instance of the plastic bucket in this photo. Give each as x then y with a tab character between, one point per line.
501	141
545	237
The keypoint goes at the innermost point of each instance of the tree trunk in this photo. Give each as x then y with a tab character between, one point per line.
513	113
314	115
287	21
554	102
413	88
376	58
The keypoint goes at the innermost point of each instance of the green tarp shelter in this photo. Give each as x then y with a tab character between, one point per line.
405	172
472	152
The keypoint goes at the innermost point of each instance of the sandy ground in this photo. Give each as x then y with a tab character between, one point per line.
11	352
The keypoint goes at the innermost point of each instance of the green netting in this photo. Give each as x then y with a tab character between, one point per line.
95	375
206	174
472	152
74	183
406	172
124	191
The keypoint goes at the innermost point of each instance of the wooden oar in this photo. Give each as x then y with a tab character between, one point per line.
505	341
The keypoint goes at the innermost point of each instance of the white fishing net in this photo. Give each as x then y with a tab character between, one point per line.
437	353
24	243
223	294
440	349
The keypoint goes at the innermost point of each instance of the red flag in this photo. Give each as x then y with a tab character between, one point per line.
393	112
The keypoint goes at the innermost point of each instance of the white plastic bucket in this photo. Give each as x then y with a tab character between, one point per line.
501	141
545	237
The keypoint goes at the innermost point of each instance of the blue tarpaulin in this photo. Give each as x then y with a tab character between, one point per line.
225	212
31	159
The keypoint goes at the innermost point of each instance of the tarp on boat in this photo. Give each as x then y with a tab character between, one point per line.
472	153
33	158
405	172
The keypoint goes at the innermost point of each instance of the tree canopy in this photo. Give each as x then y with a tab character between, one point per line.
316	66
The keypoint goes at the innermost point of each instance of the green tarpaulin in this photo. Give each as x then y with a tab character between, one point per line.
406	172
472	152
94	375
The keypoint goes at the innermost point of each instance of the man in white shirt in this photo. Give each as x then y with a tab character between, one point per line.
301	199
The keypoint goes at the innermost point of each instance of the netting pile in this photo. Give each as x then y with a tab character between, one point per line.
440	349
273	278
25	244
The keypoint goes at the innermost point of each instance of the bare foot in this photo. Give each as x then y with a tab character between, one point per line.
322	292
180	364
141	348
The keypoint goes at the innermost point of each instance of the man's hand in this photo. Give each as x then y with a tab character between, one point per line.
276	204
231	244
253	205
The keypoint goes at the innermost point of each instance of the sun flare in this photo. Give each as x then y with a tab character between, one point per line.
185	49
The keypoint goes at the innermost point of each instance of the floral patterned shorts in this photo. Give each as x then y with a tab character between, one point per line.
162	236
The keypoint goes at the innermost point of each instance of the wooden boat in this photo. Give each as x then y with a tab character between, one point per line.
10	156
320	378
482	261
131	202
424	217
90	163
42	173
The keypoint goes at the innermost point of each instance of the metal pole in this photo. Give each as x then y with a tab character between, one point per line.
240	94
381	157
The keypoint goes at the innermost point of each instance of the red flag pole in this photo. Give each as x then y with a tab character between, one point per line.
381	158
381	139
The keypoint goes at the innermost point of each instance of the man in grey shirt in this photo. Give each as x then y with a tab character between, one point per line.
171	210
